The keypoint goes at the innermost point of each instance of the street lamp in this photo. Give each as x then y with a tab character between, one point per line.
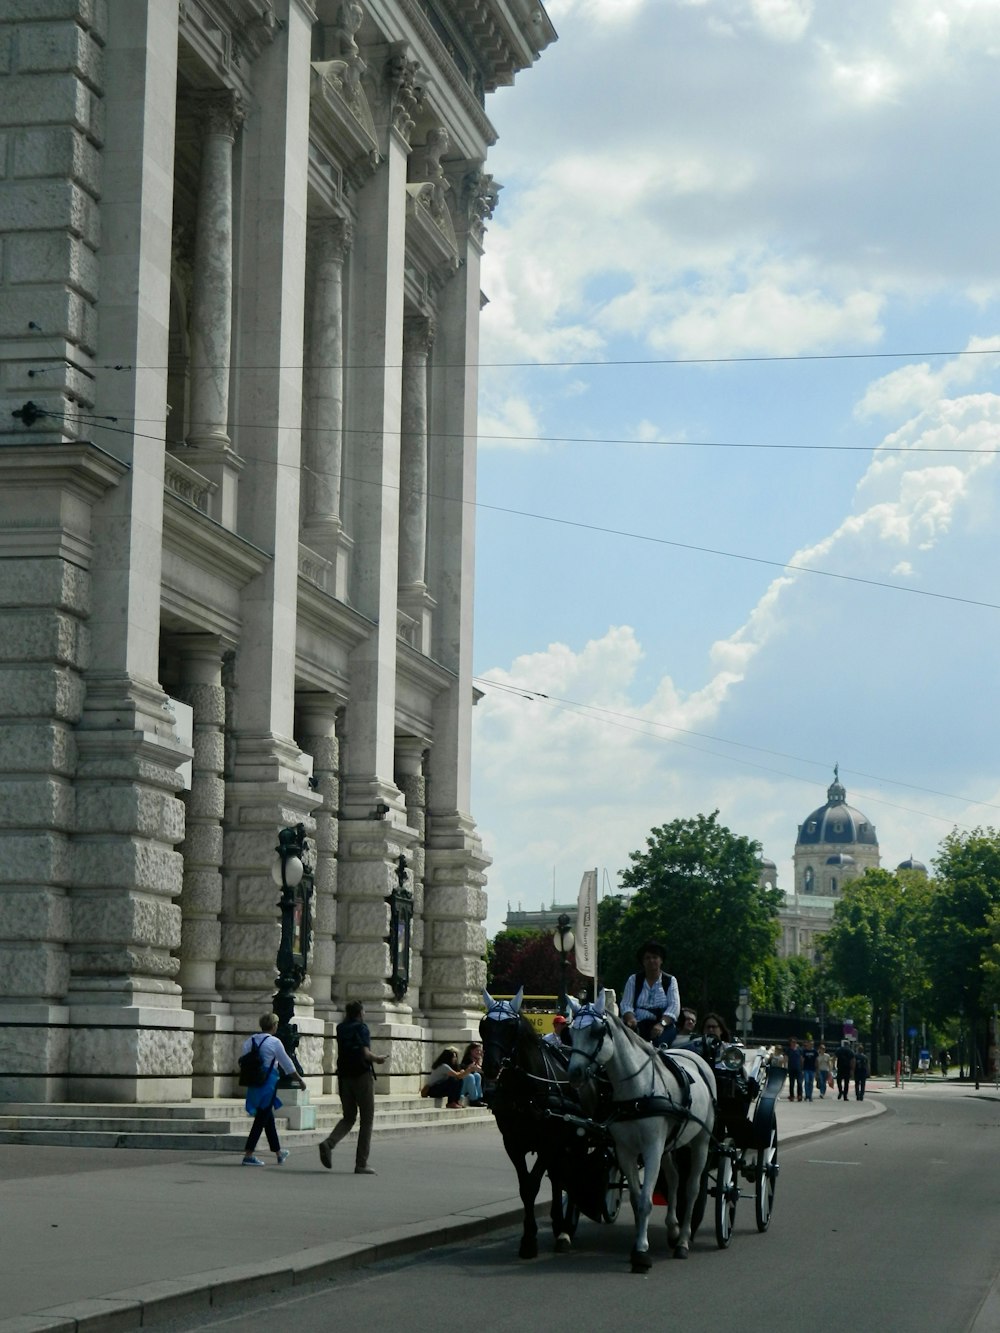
563	939
294	876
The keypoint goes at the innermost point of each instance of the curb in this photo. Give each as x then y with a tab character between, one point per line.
174	1298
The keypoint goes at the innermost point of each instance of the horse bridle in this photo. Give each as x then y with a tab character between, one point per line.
605	1029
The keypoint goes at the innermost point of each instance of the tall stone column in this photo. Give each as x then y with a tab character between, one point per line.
323	438
130	1038
201	687
414	599
316	733
373	832
211	330
454	895
267	784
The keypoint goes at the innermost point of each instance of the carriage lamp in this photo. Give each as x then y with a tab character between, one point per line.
563	939
400	927
293	874
732	1058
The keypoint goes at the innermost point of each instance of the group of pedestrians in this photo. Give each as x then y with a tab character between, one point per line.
812	1068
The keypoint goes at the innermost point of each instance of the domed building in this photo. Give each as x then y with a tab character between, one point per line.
835	844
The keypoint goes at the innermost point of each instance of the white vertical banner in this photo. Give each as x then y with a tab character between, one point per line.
586	925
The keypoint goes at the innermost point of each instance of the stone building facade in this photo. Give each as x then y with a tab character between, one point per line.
239	305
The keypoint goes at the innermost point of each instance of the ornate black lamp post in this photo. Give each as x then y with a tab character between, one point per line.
293	874
563	939
400	924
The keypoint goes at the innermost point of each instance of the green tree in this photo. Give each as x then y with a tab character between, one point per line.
528	958
957	934
870	949
697	889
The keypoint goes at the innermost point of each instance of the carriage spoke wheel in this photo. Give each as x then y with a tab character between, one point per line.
726	1194
767	1179
613	1193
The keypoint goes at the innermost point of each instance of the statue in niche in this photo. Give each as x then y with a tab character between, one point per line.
438	144
345	67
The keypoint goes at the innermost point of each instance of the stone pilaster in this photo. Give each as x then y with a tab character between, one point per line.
45	590
130	1039
411	753
415	601
211	306
323	529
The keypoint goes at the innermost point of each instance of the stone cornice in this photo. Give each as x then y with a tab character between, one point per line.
445	66
51	490
208	545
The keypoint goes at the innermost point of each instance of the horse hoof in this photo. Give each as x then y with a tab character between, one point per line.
563	1245
681	1252
640	1261
673	1238
528	1249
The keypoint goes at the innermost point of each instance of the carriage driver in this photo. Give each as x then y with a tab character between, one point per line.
650	999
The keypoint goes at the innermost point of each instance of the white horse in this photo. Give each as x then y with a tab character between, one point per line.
660	1105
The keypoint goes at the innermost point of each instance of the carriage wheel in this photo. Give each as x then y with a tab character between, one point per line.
767	1179
614	1188
726	1193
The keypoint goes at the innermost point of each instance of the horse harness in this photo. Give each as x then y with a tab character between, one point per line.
649	1104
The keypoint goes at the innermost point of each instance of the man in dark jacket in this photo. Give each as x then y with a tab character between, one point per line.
356	1085
845	1067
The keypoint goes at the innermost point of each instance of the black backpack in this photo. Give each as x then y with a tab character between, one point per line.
253	1071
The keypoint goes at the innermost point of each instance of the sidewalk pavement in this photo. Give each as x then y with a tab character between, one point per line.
103	1239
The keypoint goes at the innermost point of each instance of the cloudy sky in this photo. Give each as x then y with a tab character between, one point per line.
738	489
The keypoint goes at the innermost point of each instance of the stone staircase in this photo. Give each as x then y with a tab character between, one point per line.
205	1125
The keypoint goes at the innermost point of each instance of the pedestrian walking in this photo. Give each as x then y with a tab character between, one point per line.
356	1085
823	1075
845	1064
794	1070
860	1073
809	1056
262	1101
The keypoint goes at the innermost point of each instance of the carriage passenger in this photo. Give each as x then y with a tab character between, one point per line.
559	1036
650	999
686	1025
713	1031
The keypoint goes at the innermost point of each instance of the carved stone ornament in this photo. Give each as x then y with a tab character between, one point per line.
405	95
418	333
480	196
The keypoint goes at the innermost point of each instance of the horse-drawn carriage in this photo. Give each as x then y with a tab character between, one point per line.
594	1114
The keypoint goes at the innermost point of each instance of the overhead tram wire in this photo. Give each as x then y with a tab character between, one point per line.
791	358
629	441
747	763
618	532
599	713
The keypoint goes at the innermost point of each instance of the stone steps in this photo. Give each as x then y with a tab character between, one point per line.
207	1126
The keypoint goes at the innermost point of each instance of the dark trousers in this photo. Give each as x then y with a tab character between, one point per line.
795	1083
263	1122
843	1085
357	1097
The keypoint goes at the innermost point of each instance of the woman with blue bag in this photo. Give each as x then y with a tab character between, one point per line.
262	1099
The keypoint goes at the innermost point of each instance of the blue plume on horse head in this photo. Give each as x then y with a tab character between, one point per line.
501	1009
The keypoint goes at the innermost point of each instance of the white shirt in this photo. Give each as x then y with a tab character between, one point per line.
270	1049
651	997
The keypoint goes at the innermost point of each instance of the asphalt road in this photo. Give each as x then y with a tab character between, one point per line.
892	1223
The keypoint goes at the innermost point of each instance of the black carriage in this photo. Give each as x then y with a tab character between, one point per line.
745	1140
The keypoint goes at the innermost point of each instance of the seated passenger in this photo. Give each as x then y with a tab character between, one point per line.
650	999
559	1036
713	1031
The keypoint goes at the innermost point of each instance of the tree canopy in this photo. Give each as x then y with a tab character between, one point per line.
528	958
697	889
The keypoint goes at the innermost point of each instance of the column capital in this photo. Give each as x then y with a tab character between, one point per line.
220	113
332	237
418	334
